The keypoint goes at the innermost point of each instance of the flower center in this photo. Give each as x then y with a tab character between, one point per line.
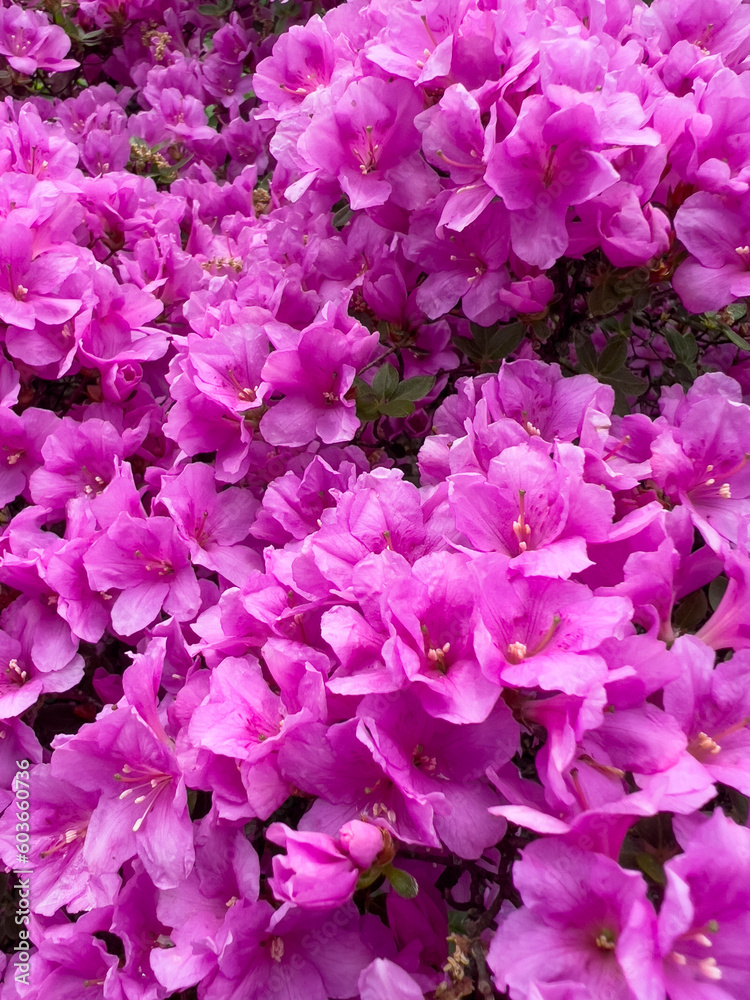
519	651
368	158
605	941
516	652
548	171
381	809
704	746
15	674
147	783
162	566
434	653
277	949
65	840
422	761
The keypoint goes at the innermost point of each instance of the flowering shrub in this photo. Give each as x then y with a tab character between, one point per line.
375	485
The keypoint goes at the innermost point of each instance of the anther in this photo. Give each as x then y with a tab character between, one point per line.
516	652
277	949
605	941
708	968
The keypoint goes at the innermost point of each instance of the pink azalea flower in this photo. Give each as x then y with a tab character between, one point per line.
584	920
704	921
127	758
30	42
147	561
320	871
29	284
712	705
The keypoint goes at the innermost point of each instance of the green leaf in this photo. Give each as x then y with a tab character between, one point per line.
715	321
367	878
490	343
396	408
739	805
404	884
684	346
413	388
466	346
716	591
691	611
385	381
737	310
542	330
367	402
736	339
505	341
586	354
626	382
651	867
603	299
613	356
342	216
685	374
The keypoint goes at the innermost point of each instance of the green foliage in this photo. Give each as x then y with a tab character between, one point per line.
610	366
389	397
488	345
402	882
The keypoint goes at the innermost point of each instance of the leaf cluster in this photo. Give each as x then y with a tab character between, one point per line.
387	396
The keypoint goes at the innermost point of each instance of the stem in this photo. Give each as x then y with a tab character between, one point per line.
378	360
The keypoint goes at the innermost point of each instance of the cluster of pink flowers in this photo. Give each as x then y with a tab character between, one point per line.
312	712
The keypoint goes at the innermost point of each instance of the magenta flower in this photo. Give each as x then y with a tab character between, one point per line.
147	561
288	953
704	920
369	142
454	139
384	978
127	758
533	509
469	265
213	524
225	876
226	367
320	871
431	616
717	234
21	450
243	719
301	64
30	284
29	42
540	632
59	821
728	626
584	920
79	461
548	162
712	705
22	680
316	377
